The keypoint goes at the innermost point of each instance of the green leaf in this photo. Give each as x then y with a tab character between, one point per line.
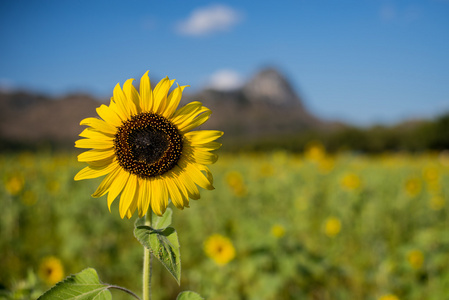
157	222
189	295
164	245
163	221
82	286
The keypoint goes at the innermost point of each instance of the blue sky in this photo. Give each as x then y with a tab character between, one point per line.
361	61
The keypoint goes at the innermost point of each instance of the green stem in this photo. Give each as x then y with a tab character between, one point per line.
147	264
124	290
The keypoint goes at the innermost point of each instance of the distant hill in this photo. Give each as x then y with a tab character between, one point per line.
265	106
265	113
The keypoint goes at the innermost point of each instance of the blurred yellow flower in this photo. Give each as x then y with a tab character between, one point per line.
51	270
351	181
388	297
437	202
415	259
278	231
235	181
412	187
315	151
220	249
15	184
332	226
431	174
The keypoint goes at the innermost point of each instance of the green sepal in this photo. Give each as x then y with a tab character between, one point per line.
81	286
163	244
189	295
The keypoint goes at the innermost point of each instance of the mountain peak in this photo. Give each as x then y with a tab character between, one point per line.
270	86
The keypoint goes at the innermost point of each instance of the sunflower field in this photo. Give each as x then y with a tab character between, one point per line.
278	225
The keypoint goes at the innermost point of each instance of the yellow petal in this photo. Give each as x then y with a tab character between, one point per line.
109	115
99	125
143	203
176	171
94	144
146	94
203	136
106	183
150	188
184	112
201	157
211	146
113	106
94	172
134	203
173	101
132	96
175	194
101	162
199	120
159	196
127	196
184	120
197	176
93	134
206	170
190	186
121	101
117	186
160	95
95	155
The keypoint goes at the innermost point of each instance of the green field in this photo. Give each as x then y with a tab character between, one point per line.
304	226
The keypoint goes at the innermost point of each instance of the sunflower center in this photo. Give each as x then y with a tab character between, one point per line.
147	145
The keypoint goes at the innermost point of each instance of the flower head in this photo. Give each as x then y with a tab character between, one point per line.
412	186
351	181
220	249
15	184
315	151
415	259
236	183
51	270
277	230
145	147
332	226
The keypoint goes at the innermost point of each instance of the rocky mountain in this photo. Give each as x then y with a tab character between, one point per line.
266	106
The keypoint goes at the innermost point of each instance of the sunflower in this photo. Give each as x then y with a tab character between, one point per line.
51	270
145	147
220	249
332	226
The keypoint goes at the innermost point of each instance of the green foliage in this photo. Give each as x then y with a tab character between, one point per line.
418	136
82	286
189	295
382	222
163	221
162	243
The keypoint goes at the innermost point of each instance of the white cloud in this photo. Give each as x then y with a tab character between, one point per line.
225	80
207	20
